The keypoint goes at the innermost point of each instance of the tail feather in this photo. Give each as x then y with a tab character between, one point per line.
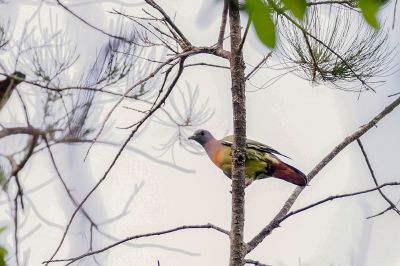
290	174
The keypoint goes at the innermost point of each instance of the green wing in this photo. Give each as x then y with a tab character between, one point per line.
252	144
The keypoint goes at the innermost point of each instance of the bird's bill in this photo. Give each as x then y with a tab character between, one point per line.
192	137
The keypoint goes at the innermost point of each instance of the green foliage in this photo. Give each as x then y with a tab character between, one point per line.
369	8
260	15
297	7
261	11
361	57
3	251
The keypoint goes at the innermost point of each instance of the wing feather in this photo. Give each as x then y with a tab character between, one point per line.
252	144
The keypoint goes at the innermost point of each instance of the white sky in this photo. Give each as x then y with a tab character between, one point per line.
292	116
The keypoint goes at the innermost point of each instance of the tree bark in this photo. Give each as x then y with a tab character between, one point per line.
237	248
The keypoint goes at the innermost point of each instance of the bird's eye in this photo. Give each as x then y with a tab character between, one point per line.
202	133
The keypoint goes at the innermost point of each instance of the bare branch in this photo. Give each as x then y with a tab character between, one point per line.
315	63
24	107
394	13
391	204
380	213
246	31
52	159
31	146
394	94
94	27
207	64
16	230
185	43
162	101
348	3
184	227
254	262
193	51
330	198
289	203
258	66
108	115
21	130
130	148
223	25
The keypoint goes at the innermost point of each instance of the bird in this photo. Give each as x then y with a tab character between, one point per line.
8	85
261	160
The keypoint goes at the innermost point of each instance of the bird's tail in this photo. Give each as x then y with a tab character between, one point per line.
290	174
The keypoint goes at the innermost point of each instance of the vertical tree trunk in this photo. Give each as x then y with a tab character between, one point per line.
239	124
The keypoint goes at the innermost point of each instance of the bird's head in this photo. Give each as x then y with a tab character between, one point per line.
202	136
18	76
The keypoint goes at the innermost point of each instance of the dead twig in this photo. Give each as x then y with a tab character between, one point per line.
180	228
223	25
140	123
391	204
274	223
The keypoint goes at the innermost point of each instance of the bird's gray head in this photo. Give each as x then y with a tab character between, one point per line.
18	76
202	136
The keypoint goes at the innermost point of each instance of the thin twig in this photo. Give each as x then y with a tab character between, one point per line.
18	167
301	28
193	51
223	25
315	64
289	203
162	101
394	94
92	26
74	201
350	4
184	227
21	130
16	230
246	31
97	90
129	148
391	204
380	213
394	14
24	107
258	66
170	22
207	64
254	262
108	115
330	198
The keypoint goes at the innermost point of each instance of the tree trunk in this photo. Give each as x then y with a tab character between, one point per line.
237	250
